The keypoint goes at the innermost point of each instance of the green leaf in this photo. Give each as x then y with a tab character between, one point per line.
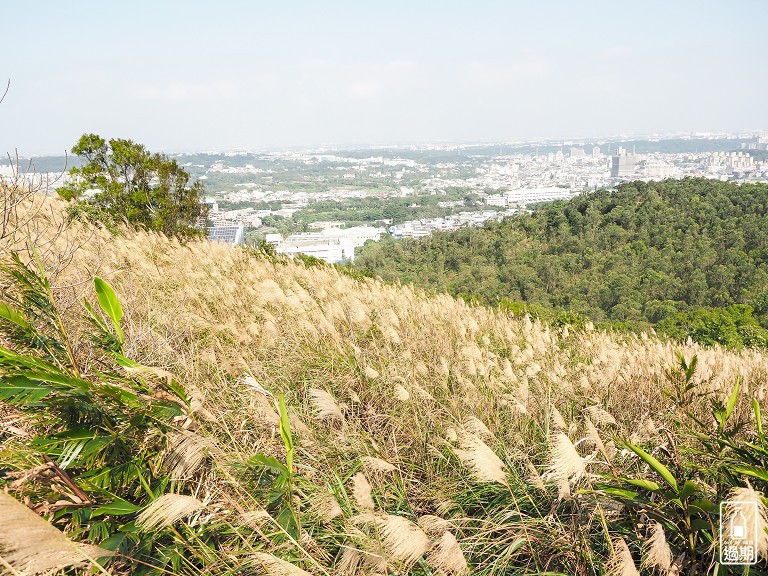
9	313
119	507
114	541
126	362
703	505
660	469
688	489
95	317
753	471
285	433
70	452
617	492
758	419
268	462
700	525
22	390
288	521
642	483
731	404
110	304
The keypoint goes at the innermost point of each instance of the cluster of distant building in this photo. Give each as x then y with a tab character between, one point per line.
425	226
505	184
330	243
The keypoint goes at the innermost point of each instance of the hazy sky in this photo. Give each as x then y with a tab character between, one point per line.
186	75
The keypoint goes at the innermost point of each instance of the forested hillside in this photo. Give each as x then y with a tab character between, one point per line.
688	256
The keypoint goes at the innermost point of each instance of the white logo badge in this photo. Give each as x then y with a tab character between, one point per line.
738	533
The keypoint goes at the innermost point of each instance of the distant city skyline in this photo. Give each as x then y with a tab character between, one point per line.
193	76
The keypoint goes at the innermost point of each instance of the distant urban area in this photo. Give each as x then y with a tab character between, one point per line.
326	203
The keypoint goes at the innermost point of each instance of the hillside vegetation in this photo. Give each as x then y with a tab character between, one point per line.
689	257
226	412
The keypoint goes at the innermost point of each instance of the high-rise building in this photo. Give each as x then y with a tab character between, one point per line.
623	164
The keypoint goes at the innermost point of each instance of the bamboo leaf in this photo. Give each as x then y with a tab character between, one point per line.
700	525
119	507
753	471
731	404
688	489
617	492
758	419
21	390
11	314
268	462
285	433
110	304
657	466
70	452
703	505
642	483
95	317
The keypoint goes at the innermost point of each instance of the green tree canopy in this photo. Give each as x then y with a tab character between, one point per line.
678	255
124	180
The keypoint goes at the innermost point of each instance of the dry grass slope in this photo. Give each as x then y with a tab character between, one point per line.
445	406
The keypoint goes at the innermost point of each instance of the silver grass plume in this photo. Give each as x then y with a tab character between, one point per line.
274	566
361	492
371	373
621	562
377	465
479	457
447	555
558	422
565	463
755	515
656	550
594	435
326	506
166	510
186	453
600	416
434	526
477	427
30	545
403	539
325	405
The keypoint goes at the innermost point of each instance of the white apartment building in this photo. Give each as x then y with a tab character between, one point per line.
659	170
330	244
331	250
232	235
523	196
496	200
358	235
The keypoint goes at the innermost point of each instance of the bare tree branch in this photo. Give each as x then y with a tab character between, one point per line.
7	87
